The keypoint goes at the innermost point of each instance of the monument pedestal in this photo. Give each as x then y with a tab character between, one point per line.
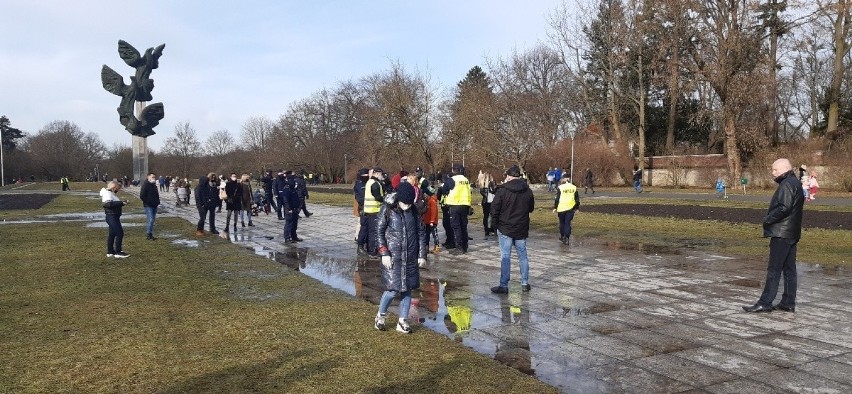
140	158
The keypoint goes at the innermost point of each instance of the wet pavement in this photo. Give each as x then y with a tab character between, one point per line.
617	317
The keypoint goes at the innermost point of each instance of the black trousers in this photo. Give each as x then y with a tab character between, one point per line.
782	260
458	220
115	236
448	227
486	218
565	219
205	212
371	220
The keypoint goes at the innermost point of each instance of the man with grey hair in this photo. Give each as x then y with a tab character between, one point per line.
783	225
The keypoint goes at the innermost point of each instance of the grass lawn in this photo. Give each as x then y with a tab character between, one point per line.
215	318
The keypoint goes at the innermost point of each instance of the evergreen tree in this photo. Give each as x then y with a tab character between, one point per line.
10	134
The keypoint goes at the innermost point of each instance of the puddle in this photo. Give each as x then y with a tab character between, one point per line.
585	309
746	283
104	225
646	249
78	216
189	243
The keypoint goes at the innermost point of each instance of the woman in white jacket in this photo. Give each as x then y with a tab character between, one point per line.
112	208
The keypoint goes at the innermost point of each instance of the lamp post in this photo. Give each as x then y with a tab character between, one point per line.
573	134
345	164
2	169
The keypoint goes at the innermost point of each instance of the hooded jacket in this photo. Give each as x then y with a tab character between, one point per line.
402	235
206	196
784	218
511	208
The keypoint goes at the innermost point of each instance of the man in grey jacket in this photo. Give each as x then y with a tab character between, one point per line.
783	225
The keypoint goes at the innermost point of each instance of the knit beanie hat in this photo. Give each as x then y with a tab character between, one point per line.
405	193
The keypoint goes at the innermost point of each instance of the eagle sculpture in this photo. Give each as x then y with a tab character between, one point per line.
139	89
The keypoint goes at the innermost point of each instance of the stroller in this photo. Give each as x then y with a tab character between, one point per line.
259	203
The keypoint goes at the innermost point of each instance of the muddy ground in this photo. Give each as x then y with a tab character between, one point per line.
24	201
811	219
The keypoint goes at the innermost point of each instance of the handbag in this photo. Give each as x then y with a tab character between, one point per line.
222	194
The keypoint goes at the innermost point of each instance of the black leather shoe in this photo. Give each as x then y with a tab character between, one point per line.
757	308
791	309
526	288
500	290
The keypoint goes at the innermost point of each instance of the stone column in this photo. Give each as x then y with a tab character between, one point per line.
140	150
140	158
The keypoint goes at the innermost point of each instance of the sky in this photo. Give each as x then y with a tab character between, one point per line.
227	61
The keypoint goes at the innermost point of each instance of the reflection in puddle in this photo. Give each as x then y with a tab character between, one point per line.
444	306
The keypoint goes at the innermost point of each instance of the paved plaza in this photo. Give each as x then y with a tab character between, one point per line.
600	317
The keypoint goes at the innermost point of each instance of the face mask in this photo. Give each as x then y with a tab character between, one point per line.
404	206
233	178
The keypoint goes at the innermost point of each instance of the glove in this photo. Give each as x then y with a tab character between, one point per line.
387	262
421	262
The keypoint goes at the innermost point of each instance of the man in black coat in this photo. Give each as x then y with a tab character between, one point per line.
302	192
268	179
291	204
783	225
207	200
510	214
279	185
150	197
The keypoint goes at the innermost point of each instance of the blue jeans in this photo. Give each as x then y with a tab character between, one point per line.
150	215
637	185
520	245
404	302
782	260
115	235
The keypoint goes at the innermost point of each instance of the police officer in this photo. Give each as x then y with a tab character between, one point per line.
457	192
268	180
292	205
374	193
302	191
450	242
566	204
278	187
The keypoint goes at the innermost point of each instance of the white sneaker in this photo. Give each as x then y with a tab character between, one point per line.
380	322
110	255
121	255
403	327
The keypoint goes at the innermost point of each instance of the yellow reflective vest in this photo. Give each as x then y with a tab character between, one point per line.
566	197
371	205
460	194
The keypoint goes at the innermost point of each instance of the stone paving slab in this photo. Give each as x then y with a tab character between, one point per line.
599	319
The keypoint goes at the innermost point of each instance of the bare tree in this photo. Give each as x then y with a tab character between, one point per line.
184	146
724	53
256	132
530	101
61	148
839	15
219	143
